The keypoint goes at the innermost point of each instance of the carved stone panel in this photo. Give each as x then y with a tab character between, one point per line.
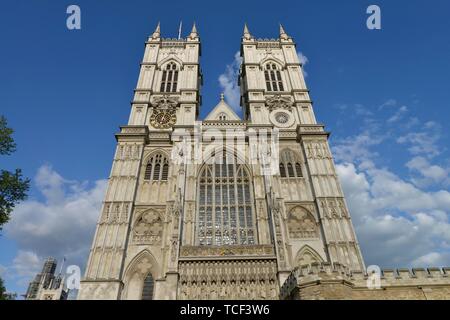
148	228
302	224
228	280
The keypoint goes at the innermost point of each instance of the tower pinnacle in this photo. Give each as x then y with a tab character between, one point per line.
246	34
157	32
194	33
283	34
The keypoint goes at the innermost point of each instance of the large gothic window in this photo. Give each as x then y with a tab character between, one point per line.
273	78
225	208
157	168
147	290
169	78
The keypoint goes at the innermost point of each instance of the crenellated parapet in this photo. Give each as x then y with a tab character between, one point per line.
335	281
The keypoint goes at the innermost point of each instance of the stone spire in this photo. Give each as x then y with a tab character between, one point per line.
246	34
194	33
157	33
283	34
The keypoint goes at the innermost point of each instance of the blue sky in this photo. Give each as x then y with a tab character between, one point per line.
382	93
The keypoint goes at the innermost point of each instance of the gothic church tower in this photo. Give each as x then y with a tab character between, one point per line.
176	225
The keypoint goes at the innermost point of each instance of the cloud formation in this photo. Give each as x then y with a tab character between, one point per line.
62	224
229	82
303	60
399	222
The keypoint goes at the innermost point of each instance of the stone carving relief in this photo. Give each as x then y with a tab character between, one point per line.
255	280
334	208
165	102
115	212
234	250
129	151
317	150
279	102
302	224
148	228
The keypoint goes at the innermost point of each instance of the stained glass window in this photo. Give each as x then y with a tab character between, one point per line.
225	213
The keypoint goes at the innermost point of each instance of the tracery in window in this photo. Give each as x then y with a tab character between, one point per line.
290	165
169	80
225	208
272	75
157	168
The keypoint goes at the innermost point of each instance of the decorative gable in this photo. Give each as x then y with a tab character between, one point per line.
222	112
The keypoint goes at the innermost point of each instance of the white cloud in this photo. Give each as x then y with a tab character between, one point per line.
428	173
61	225
229	82
303	60
395	222
388	103
26	263
432	259
398	221
398	115
424	142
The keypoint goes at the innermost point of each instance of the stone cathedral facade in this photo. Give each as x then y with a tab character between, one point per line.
175	225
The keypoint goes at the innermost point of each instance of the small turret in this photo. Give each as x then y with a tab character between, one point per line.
157	33
246	34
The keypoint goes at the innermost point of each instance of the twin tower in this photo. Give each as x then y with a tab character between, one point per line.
220	226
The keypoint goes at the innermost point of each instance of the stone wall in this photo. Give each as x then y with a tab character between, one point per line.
326	281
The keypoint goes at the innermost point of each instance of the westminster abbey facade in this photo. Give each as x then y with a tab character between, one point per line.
226	207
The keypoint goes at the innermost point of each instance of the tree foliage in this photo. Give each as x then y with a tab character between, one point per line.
7	144
13	186
5	295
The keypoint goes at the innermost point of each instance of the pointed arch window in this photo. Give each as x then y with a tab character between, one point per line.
282	170
147	290
290	165
222	117
165	172
169	79
225	207
272	76
148	171
298	170
157	168
290	170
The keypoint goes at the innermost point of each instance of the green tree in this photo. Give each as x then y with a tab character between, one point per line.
5	295
13	187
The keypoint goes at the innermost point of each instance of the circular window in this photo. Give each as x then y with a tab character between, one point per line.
282	118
